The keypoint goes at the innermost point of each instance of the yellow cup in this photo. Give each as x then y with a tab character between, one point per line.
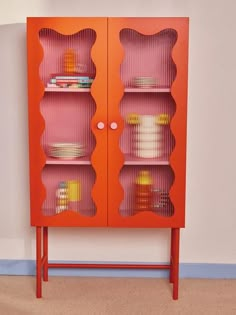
74	188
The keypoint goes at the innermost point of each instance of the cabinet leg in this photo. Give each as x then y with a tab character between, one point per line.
45	253
175	262
38	262
171	256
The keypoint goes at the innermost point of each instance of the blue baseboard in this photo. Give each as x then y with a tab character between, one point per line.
187	270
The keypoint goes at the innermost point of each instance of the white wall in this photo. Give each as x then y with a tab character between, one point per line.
209	236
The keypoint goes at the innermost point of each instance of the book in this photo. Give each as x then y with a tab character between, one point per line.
72	75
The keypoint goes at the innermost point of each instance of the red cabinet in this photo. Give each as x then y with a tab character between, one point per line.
107	123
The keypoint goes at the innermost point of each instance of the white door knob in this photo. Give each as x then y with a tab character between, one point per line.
113	125
100	125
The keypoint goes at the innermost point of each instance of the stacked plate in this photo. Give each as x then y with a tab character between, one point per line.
144	82
62	150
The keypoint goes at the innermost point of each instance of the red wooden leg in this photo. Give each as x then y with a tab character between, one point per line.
38	263
45	253
175	260
171	256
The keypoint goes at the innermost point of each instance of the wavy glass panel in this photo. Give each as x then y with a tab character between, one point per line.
148	56
67	72
155	199
66	53
147	107
68	188
67	120
147	104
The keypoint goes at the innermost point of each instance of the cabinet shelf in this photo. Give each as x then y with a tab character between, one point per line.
147	90
77	161
77	90
130	160
82	212
163	212
126	90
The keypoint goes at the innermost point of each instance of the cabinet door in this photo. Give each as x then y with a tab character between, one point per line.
147	99
67	94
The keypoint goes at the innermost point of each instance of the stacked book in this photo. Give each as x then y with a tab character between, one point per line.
70	80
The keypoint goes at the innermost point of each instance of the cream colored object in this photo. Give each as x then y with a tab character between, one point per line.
148	145
148	129
147	137
147	120
150	154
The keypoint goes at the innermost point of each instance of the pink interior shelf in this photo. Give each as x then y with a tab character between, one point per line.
147	90
131	160
78	161
77	90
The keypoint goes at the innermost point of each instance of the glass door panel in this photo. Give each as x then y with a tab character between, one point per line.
147	107
67	72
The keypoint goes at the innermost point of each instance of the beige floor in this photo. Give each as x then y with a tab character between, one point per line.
90	296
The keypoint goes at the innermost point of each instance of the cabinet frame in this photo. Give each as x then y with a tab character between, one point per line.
108	48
